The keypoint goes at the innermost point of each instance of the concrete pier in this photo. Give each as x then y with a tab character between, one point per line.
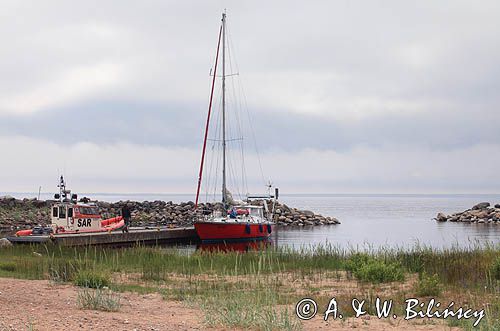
135	235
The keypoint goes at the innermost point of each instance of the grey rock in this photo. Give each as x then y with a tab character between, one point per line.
4	242
441	217
308	213
481	205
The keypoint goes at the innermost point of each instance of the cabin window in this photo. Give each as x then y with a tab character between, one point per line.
89	211
256	212
62	212
70	212
54	212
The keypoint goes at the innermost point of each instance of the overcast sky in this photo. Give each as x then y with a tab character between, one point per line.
344	96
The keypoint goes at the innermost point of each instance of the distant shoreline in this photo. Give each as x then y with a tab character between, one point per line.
21	195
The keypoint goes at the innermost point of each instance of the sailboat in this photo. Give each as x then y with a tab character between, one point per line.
234	221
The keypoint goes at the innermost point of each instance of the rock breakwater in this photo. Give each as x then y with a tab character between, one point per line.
21	213
480	213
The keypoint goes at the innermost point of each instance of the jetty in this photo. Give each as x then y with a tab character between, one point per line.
26	213
136	235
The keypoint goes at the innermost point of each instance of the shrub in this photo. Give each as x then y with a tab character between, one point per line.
379	272
428	285
356	261
98	299
8	266
91	279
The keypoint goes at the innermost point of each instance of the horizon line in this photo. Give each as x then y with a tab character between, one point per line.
281	194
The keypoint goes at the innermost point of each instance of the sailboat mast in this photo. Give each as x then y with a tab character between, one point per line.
224	197
208	120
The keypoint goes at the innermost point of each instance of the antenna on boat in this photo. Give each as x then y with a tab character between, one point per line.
63	192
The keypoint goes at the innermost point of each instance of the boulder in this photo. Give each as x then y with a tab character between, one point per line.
481	205
308	213
4	242
479	213
441	217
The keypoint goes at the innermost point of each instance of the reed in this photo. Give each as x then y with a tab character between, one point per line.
462	266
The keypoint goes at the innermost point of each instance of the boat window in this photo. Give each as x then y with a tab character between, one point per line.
70	212
62	212
255	212
54	212
89	210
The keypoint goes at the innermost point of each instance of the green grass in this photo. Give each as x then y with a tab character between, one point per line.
246	302
490	322
248	309
467	267
92	279
495	269
247	290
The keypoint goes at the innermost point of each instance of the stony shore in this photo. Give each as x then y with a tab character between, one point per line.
17	213
480	213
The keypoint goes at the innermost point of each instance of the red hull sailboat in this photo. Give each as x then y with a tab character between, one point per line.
247	223
233	221
229	231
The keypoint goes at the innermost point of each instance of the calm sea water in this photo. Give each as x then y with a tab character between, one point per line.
368	220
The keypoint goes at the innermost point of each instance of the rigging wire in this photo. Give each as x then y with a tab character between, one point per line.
238	109
245	106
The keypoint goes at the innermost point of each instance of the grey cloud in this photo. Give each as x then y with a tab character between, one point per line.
167	125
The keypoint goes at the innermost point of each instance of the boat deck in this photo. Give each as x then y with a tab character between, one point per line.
146	235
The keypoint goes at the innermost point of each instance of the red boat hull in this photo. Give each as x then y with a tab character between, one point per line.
217	231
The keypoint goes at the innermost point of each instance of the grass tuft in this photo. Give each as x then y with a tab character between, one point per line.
98	299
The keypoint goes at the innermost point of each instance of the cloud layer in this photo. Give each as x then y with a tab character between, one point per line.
343	96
